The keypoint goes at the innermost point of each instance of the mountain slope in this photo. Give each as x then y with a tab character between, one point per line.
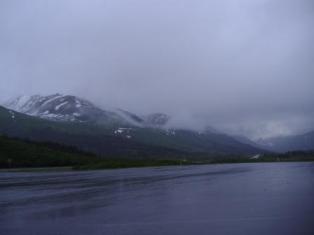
21	153
290	143
245	140
68	108
59	107
156	119
80	117
87	137
130	141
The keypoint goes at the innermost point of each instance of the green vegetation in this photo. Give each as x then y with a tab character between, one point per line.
294	156
127	163
100	138
17	153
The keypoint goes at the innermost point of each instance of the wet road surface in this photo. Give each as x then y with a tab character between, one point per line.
235	199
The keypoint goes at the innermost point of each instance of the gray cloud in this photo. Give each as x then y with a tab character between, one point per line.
243	66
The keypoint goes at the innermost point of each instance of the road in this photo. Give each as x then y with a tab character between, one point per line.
235	199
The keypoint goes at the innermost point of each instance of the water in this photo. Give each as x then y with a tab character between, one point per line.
270	198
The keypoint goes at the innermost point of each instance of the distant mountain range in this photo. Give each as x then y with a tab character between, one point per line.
70	108
78	122
74	121
302	142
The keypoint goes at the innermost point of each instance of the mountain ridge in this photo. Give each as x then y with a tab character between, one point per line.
301	142
95	123
59	107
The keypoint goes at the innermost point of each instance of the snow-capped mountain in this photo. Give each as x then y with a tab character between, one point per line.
67	120
59	107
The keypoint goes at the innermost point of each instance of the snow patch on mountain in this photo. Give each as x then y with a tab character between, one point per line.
50	99
12	114
124	132
54	107
170	132
130	117
58	107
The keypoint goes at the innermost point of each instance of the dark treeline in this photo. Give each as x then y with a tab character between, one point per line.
18	153
289	156
24	153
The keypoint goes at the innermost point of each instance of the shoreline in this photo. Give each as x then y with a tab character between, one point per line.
91	168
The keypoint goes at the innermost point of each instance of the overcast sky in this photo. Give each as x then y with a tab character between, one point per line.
242	66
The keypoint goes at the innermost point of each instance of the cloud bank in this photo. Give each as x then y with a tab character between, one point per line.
241	66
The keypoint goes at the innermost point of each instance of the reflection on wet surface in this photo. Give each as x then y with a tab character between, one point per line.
272	198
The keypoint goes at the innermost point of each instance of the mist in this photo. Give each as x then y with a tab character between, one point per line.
244	67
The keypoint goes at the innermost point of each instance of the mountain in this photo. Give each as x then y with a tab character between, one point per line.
70	108
302	142
60	117
245	140
156	119
84	136
59	107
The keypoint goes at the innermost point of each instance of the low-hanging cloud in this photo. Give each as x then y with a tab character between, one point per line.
242	66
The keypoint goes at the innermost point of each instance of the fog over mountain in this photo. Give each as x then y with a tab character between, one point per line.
244	67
